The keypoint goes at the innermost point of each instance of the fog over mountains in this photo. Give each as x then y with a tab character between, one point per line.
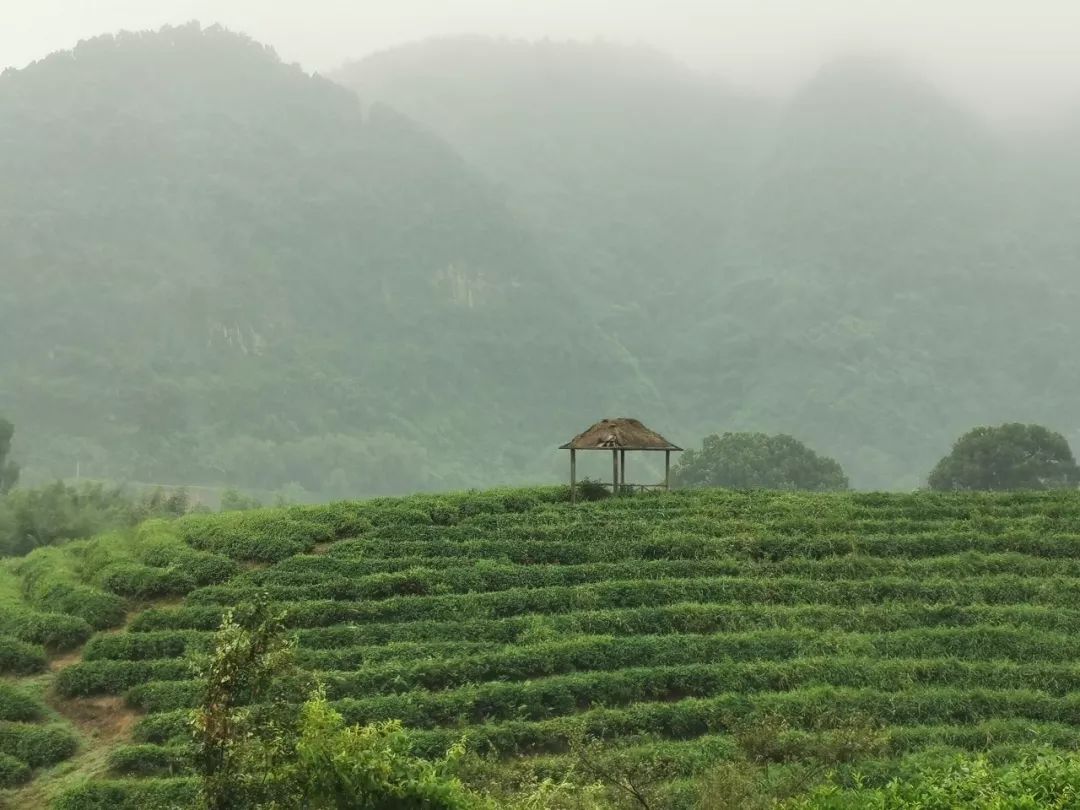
433	269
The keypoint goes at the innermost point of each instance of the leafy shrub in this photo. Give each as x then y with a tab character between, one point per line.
36	745
12	771
262	535
140	581
164	727
142	646
164	696
49	582
56	631
181	618
99	609
1045	780
130	794
445	515
19	657
113	677
150	760
372	765
17	705
157	544
210	569
589	490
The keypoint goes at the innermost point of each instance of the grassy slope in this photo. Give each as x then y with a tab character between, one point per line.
667	622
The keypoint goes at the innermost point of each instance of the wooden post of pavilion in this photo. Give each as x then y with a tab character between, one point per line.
614	472
667	468
622	469
573	475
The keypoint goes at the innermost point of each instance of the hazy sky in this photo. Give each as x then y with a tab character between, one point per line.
1009	57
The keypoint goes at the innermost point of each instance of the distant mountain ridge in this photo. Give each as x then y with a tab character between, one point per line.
867	265
219	269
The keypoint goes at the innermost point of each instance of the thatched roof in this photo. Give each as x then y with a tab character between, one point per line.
619	434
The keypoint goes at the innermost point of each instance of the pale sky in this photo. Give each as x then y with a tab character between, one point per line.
1008	58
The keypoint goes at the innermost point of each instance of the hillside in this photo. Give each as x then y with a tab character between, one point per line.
866	265
870	634
221	270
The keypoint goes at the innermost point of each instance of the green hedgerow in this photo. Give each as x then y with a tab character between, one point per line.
20	658
12	771
17	705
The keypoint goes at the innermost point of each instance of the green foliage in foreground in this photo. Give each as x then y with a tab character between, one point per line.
1007	457
12	771
147	794
20	658
15	704
36	745
371	767
702	649
284	759
1049	781
51	581
758	461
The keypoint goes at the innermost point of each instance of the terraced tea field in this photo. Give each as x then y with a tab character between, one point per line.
687	629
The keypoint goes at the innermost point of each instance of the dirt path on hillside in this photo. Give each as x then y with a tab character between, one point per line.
101	722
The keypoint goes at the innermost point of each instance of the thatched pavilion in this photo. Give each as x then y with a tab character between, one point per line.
618	436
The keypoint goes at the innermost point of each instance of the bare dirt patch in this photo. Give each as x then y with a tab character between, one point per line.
321	548
65	660
103	719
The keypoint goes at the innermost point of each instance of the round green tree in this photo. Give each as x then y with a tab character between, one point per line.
1012	456
758	461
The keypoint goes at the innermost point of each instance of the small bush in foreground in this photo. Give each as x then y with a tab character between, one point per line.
50	583
36	745
55	631
17	705
12	771
1049	780
19	658
150	760
140	581
125	794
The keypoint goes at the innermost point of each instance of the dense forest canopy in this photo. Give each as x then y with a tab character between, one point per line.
221	270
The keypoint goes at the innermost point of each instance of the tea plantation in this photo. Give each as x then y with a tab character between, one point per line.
873	634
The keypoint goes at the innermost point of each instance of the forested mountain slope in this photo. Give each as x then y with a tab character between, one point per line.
867	265
220	269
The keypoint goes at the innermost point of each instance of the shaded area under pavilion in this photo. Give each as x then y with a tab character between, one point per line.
620	436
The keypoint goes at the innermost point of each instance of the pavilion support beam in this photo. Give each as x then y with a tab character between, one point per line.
667	469
622	469
573	475
614	472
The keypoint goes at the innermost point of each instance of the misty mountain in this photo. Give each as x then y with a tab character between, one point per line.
220	269
627	165
867	266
